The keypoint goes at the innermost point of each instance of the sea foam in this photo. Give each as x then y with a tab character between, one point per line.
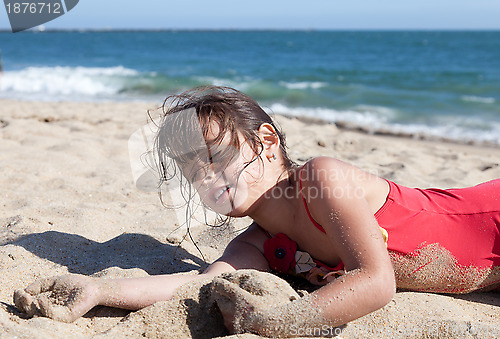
49	83
483	100
383	120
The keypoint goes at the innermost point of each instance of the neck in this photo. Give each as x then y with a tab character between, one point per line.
275	207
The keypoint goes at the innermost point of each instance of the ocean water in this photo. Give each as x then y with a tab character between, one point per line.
432	83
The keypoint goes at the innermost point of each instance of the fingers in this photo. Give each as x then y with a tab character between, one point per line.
63	298
225	301
316	276
41	305
40	286
25	302
230	290
25	299
235	304
21	298
47	308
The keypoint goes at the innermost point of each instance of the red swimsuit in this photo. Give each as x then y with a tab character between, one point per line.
465	222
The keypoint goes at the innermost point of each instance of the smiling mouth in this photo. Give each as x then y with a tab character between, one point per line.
220	192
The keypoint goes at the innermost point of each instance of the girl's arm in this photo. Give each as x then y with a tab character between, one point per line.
136	293
369	282
68	297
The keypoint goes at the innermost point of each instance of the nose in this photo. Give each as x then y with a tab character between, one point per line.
209	175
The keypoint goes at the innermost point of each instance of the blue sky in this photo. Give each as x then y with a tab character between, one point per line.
273	14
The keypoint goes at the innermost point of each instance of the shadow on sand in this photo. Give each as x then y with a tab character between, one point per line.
128	250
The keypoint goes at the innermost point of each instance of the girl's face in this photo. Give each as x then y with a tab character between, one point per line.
225	177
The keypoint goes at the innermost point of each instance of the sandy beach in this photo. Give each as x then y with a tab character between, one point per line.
69	205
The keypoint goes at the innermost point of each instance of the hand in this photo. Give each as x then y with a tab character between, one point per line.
63	298
235	304
321	276
244	298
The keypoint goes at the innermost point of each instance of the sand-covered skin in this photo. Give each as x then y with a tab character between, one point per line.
247	291
68	204
432	268
191	312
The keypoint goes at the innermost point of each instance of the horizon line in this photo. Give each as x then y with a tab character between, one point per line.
48	30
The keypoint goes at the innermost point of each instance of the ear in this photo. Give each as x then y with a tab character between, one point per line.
270	140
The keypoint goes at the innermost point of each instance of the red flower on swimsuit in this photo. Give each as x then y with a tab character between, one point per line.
280	252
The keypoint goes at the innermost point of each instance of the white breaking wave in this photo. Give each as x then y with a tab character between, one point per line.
375	119
303	84
483	100
47	83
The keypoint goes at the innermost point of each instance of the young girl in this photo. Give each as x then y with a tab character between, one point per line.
357	235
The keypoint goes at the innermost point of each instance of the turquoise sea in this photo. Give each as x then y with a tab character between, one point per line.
435	83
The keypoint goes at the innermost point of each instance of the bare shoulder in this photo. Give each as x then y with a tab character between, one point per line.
332	170
342	180
324	162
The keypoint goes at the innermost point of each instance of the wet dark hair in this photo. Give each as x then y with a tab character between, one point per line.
187	114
